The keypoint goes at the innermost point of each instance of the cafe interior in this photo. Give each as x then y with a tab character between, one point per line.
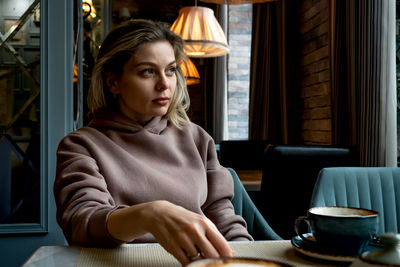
301	98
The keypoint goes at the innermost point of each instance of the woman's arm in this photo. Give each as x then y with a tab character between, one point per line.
218	207
181	232
81	193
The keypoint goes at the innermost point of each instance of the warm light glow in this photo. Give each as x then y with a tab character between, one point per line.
86	8
190	72
203	35
194	54
90	9
236	2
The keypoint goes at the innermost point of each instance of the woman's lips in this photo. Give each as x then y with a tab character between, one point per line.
162	101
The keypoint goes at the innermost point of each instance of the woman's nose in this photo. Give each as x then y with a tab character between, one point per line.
163	82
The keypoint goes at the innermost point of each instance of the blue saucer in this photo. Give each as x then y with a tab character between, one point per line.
319	251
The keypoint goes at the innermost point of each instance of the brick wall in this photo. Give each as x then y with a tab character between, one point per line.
315	72
239	39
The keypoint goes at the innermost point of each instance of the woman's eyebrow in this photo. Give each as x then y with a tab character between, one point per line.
152	63
144	63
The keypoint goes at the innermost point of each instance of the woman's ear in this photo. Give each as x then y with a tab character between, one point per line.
112	82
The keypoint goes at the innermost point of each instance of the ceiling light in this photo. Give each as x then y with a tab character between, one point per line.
236	2
190	72
201	32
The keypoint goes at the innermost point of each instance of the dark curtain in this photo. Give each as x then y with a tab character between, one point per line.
344	124
214	84
273	78
362	79
220	95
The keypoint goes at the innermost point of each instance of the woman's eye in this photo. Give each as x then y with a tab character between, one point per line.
171	70
147	72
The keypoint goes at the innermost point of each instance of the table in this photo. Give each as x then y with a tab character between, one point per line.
251	179
153	255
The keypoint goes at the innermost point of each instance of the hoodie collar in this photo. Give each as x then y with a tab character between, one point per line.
119	122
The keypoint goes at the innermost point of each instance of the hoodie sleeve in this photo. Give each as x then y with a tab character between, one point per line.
82	199
218	207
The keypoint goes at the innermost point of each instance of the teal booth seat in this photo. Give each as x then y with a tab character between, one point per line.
257	226
376	188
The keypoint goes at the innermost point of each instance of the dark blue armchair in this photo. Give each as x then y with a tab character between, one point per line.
257	226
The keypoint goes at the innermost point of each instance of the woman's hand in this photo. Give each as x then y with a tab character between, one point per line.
181	232
184	234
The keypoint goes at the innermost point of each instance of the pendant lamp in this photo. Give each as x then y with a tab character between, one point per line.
190	72
201	32
88	8
237	2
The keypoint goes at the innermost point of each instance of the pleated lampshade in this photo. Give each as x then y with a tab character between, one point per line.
190	72
236	2
201	32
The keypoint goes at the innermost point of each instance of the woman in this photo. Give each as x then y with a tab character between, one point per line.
141	171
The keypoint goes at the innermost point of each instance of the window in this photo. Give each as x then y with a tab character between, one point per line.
239	39
20	112
398	76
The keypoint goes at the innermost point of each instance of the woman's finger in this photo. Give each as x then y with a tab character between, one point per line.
190	248
181	256
184	234
218	241
206	248
174	248
210	248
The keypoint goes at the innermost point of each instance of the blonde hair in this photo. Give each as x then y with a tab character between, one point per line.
118	47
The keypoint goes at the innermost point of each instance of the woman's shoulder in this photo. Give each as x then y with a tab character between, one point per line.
197	133
195	130
80	135
83	131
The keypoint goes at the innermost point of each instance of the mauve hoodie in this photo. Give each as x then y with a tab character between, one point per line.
115	162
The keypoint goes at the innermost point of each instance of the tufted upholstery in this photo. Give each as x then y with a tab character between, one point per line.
257	227
376	188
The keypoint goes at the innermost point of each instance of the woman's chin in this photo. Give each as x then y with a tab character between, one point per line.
160	112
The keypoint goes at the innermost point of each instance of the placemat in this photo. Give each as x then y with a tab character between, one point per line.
153	255
146	255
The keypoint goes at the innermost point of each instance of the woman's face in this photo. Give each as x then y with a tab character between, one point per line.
148	81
